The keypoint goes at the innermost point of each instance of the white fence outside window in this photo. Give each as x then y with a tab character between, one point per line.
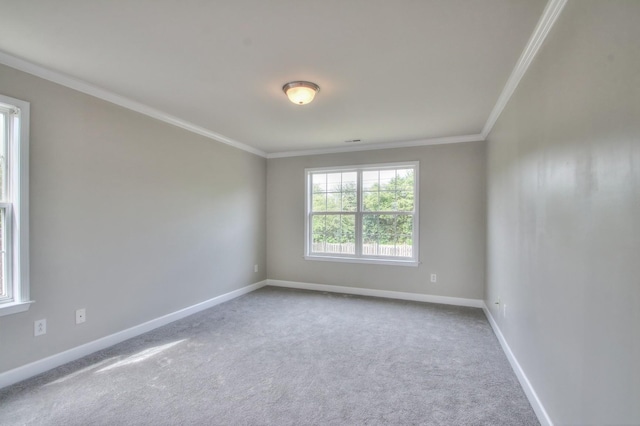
367	249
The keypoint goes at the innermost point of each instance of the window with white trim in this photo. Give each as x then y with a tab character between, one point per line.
14	200
365	214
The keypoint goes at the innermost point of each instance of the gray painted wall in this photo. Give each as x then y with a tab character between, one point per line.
564	217
131	219
452	223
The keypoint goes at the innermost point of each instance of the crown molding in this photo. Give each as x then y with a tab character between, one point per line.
549	16
543	27
547	20
385	145
90	89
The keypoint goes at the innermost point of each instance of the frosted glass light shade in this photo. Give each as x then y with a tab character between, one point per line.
301	92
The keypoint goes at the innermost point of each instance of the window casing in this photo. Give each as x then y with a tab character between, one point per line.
14	208
363	214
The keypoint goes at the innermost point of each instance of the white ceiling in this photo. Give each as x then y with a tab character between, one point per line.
389	71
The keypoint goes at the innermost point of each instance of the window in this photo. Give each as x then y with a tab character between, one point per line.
14	199
363	214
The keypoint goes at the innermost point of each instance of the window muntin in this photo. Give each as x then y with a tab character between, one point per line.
14	219
363	213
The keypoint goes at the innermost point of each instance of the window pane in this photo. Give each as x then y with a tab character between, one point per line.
404	225
349	191
334	192
404	201
370	226
334	201
387	201
387	228
334	234
319	182
387	235
370	201
404	236
370	234
349	201
370	180
319	202
334	182
387	179
349	181
388	190
318	227
405	185
404	247
404	179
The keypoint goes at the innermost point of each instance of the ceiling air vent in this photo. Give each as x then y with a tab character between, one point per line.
353	141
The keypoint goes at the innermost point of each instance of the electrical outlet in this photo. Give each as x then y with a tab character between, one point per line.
255	268
40	327
434	278
81	316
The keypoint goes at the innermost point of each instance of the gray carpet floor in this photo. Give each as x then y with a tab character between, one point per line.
288	357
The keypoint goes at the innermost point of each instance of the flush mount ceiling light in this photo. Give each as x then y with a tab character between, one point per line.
301	92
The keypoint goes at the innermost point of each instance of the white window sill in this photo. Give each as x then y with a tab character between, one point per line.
14	308
371	261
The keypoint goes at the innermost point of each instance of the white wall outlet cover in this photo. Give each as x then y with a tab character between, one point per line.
434	278
40	327
81	316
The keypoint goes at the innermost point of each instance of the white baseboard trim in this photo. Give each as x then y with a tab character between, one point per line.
29	370
535	402
416	297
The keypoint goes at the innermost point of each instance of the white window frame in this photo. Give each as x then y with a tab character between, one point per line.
16	207
358	257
